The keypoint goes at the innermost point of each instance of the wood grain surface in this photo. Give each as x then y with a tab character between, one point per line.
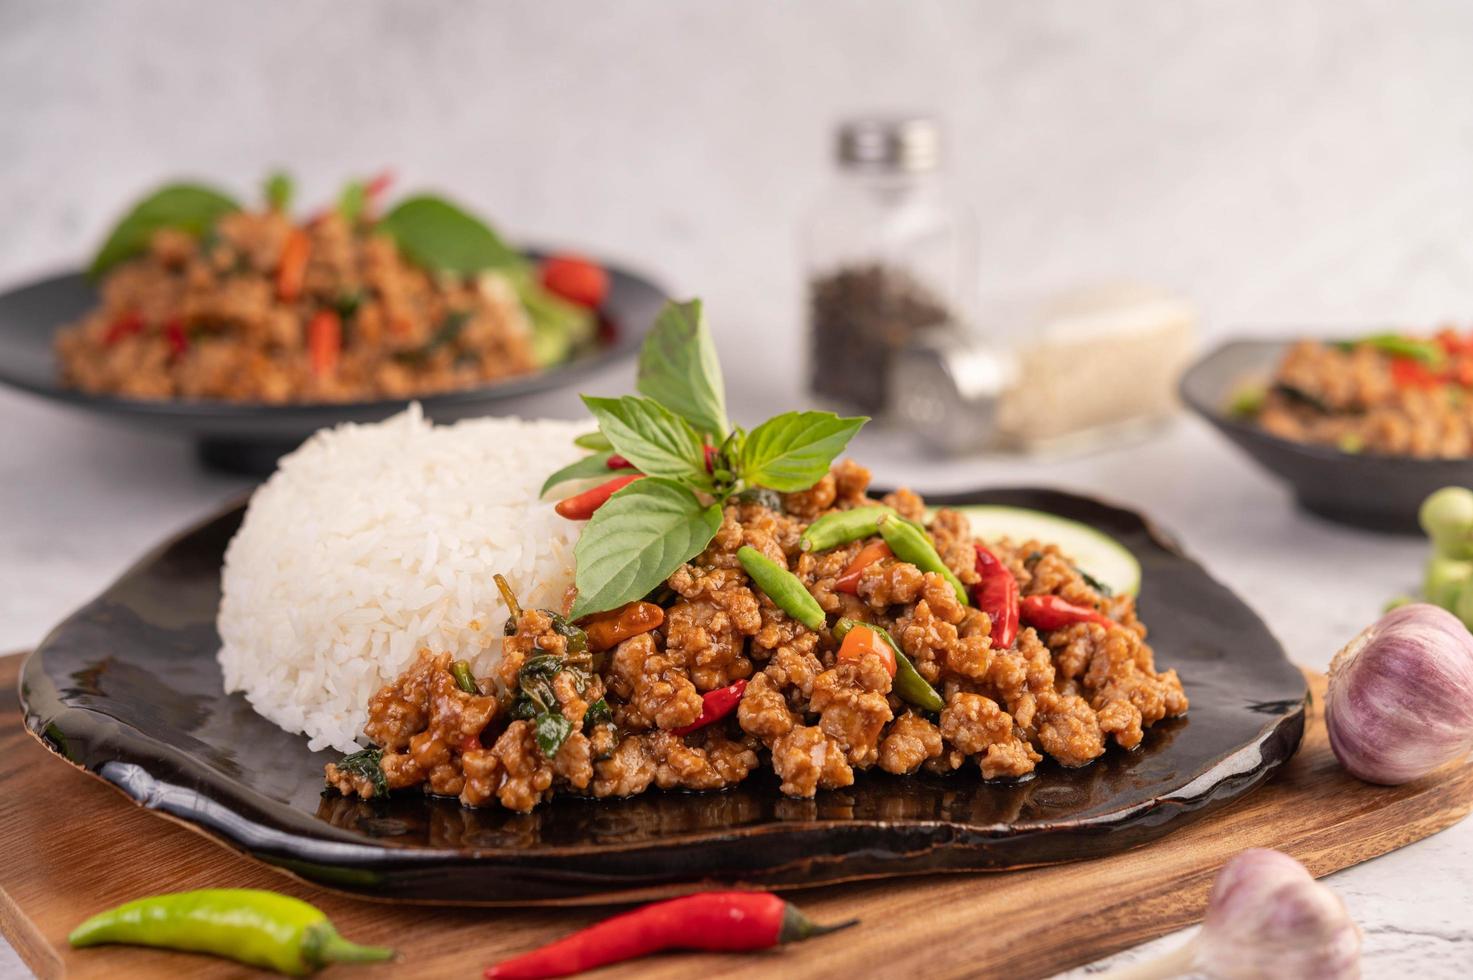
72	846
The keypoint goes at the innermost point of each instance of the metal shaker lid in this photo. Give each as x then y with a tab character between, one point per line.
896	144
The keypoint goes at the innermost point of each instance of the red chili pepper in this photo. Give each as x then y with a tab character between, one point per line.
715	705
177	338
580	507
126	325
576	280
1463	372
715	921
1451	343
376	187
291	271
848	580
324	341
607	630
1049	612
996	594
617	462
710	458
1409	373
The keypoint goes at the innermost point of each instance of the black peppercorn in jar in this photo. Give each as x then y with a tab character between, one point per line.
890	260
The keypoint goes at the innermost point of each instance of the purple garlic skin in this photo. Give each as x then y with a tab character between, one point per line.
1400	701
1268	918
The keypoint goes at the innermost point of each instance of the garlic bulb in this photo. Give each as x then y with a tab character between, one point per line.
1400	702
1267	918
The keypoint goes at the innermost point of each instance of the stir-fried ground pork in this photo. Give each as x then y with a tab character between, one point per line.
208	318
816	721
1364	399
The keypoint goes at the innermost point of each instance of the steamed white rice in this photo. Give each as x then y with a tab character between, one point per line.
373	541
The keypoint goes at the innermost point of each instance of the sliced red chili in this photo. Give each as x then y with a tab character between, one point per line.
1409	373
715	705
291	271
617	462
848	580
580	507
1050	612
996	594
324	341
127	325
177	338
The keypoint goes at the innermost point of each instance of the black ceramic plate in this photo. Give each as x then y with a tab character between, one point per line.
1380	493
129	689
250	437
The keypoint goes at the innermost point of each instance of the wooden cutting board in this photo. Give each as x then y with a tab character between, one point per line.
72	846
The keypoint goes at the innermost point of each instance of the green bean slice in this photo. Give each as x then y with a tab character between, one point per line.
463	679
782	587
911	545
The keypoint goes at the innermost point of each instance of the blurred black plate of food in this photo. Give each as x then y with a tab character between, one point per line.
249	438
129	688
1365	490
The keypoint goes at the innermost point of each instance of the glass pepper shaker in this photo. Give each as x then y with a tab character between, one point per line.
891	259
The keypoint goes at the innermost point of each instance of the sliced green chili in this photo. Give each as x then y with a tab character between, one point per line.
911	545
260	928
461	671
1428	352
909	684
782	587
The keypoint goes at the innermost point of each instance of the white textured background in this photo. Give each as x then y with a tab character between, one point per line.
1279	163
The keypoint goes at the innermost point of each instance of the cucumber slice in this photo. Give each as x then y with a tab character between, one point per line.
1093	551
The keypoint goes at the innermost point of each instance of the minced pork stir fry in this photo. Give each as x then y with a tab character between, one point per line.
708	678
1391	394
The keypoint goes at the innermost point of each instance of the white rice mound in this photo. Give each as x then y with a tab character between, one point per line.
371	542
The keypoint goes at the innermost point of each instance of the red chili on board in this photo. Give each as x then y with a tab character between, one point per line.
617	462
1049	612
996	594
848	580
715	705
576	280
580	507
715	921
292	269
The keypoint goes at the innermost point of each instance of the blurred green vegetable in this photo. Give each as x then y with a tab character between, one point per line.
1247	401
1445	579
280	189
1447	517
190	208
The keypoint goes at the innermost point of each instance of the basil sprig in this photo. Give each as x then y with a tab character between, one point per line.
694	461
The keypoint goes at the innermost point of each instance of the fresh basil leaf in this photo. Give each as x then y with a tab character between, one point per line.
585	468
279	191
438	235
187	207
637	540
593	440
552	731
367	764
678	368
656	440
599	713
794	450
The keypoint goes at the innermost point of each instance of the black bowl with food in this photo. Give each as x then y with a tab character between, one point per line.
248	328
1361	431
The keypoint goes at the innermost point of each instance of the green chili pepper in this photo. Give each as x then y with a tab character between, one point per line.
909	684
782	587
1425	351
260	928
844	526
911	545
463	679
